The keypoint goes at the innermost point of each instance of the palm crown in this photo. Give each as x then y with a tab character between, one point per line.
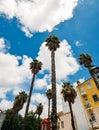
52	43
39	109
35	66
85	59
68	92
20	99
49	94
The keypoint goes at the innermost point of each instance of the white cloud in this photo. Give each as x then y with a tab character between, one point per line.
41	83
78	43
2	45
13	75
38	15
66	64
5	104
38	98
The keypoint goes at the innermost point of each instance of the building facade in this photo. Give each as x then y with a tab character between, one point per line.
89	95
2	117
64	121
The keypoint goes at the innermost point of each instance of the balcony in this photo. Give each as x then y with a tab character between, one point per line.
88	106
83	93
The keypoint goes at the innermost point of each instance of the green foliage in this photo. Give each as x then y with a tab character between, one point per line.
49	94
52	42
19	101
35	66
12	124
85	59
39	109
68	92
32	123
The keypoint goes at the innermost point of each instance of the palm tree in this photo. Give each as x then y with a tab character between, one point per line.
39	110
86	60
35	67
12	114
49	96
19	101
53	43
69	95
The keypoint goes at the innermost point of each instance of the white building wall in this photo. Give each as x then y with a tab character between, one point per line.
2	117
79	113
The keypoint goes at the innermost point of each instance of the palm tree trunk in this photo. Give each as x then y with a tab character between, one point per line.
49	114
28	102
53	80
72	117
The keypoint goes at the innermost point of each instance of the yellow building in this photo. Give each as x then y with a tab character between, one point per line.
89	95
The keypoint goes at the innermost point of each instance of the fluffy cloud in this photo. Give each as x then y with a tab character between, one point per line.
13	75
78	43
2	45
41	83
5	104
66	64
38	15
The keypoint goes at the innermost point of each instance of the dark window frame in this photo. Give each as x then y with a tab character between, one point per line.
95	98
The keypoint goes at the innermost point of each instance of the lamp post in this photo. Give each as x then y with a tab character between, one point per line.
95	74
91	124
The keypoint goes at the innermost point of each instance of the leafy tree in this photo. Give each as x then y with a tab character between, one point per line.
33	123
53	43
69	95
17	123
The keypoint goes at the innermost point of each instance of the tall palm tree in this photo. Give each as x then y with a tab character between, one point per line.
86	60
35	67
53	43
69	95
49	96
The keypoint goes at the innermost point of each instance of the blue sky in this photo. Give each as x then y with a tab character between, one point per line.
25	25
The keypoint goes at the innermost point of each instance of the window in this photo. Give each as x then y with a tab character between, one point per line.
92	117
82	89
89	85
95	98
62	124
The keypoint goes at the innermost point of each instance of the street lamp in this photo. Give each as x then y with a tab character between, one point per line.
95	74
91	122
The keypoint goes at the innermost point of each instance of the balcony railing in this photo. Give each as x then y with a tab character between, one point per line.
83	93
88	106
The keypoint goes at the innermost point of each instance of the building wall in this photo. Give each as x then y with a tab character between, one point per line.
89	95
79	113
2	117
64	121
